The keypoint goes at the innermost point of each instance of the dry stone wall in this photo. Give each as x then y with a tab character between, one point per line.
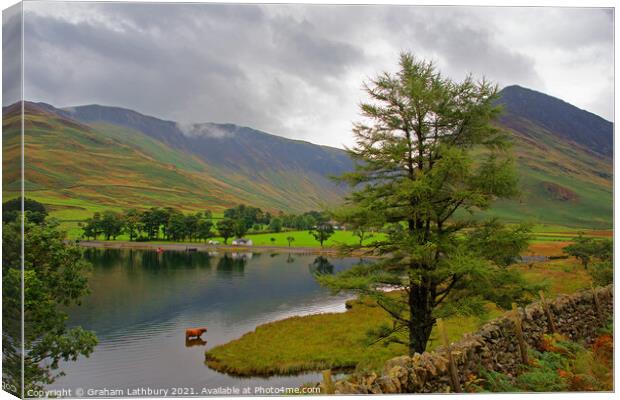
494	347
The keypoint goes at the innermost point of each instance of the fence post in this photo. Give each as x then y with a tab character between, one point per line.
548	313
328	384
597	305
519	331
454	377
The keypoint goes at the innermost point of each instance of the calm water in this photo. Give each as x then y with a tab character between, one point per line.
141	303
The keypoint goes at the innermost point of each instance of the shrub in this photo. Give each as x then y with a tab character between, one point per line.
497	382
547	376
560	365
602	273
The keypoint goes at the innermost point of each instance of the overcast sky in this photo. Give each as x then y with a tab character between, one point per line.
297	70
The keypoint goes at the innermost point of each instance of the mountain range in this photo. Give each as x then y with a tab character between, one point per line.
89	158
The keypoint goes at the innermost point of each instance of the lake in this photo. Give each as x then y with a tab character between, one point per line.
141	303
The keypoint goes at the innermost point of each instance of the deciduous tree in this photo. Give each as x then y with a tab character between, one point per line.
54	276
92	226
275	225
176	228
11	209
226	228
322	232
290	239
204	229
240	228
132	224
111	224
585	249
152	221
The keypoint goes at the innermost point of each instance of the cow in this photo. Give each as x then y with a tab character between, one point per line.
196	332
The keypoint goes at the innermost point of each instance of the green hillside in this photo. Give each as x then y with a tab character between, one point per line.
95	158
562	181
560	184
76	169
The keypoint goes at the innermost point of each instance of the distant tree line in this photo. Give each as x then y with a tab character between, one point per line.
302	222
169	223
174	225
155	223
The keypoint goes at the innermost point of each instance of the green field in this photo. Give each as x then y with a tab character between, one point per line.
302	238
305	239
540	234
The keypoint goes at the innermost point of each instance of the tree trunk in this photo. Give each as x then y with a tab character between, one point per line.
421	319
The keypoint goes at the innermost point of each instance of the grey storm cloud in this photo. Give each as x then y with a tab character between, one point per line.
297	70
11	62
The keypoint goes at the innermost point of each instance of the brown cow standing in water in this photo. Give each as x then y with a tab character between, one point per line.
197	332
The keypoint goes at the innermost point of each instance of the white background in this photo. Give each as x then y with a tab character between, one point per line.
592	3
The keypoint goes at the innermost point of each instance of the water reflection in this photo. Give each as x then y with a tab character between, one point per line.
141	304
195	342
321	265
231	265
151	260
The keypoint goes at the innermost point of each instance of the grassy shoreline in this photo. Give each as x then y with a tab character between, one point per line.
321	341
337	340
